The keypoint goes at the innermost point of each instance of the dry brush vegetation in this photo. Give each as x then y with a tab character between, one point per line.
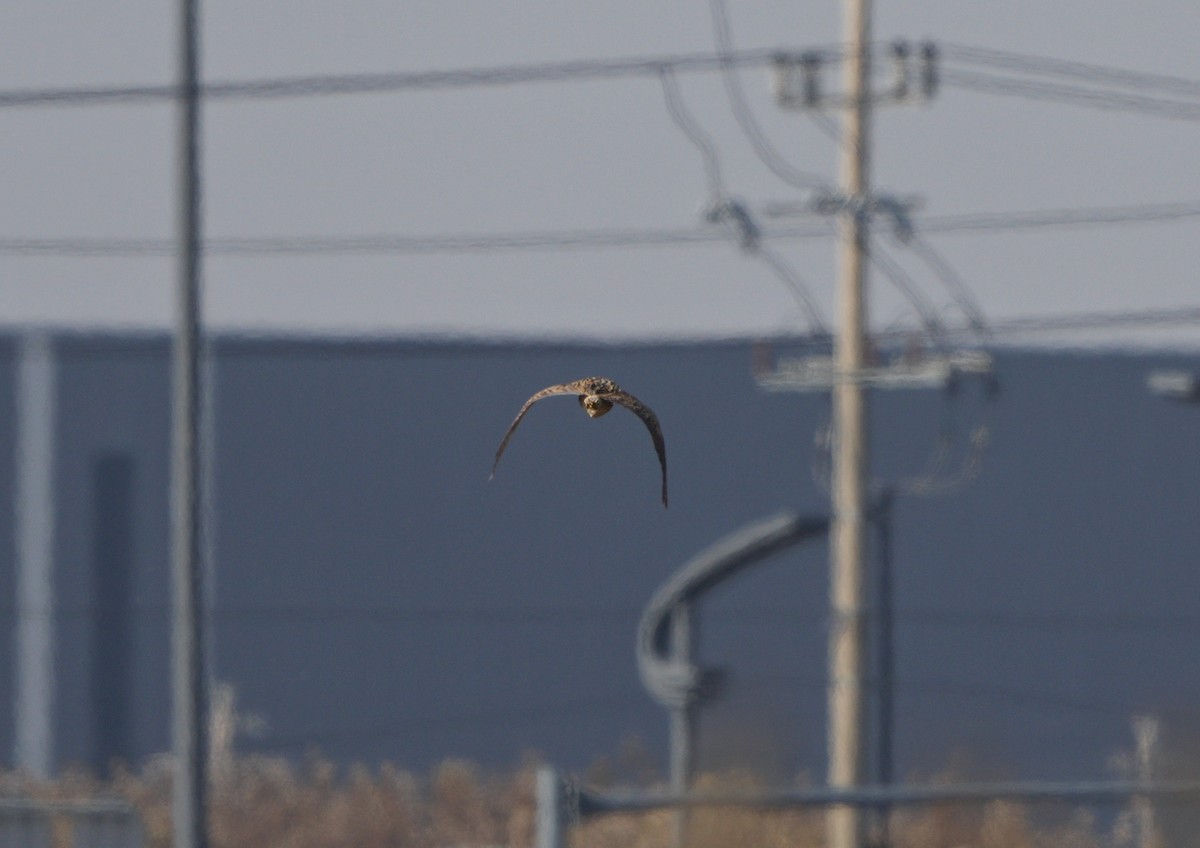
270	803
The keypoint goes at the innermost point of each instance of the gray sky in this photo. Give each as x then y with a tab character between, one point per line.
573	155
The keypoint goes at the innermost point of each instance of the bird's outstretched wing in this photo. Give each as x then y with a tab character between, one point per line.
651	421
564	389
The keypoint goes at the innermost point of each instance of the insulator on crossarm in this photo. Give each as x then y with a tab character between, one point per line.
781	78
900	70
929	70
810	70
791	72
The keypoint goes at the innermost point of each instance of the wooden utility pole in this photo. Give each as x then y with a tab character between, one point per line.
848	534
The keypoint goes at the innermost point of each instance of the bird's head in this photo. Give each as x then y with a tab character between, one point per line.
594	405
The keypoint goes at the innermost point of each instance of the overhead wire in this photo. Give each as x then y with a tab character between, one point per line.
725	59
785	272
1057	621
1065	217
906	286
599	238
1119	624
1088	72
1023	326
1082	95
382	243
344	84
761	144
942	687
1099	86
722	209
1097	320
690	127
962	295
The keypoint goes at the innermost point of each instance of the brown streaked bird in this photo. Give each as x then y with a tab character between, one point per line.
597	395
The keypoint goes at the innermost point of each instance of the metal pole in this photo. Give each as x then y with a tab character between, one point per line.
848	535
682	730
886	664
189	719
1146	732
549	794
35	555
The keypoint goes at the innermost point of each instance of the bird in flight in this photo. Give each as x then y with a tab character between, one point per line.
597	395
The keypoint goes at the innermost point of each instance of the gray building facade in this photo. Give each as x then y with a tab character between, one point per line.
376	598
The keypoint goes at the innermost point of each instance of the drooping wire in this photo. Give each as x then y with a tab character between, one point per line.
826	125
952	282
950	279
762	146
720	208
791	279
935	478
908	287
691	128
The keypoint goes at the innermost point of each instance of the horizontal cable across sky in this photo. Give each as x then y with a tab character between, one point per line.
328	84
582	239
1097	85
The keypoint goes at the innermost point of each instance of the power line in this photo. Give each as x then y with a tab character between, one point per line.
683	119
951	281
724	60
732	213
1098	98
1065	217
908	287
1072	322
942	687
335	84
1088	84
581	239
377	244
791	278
1057	621
558	614
753	131
1096	320
1088	72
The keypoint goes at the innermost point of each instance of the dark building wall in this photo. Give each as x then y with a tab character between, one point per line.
112	401
378	599
485	618
113	612
8	587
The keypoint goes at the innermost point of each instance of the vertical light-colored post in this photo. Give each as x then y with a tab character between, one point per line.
1146	734
549	796
682	730
189	719
34	708
848	537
